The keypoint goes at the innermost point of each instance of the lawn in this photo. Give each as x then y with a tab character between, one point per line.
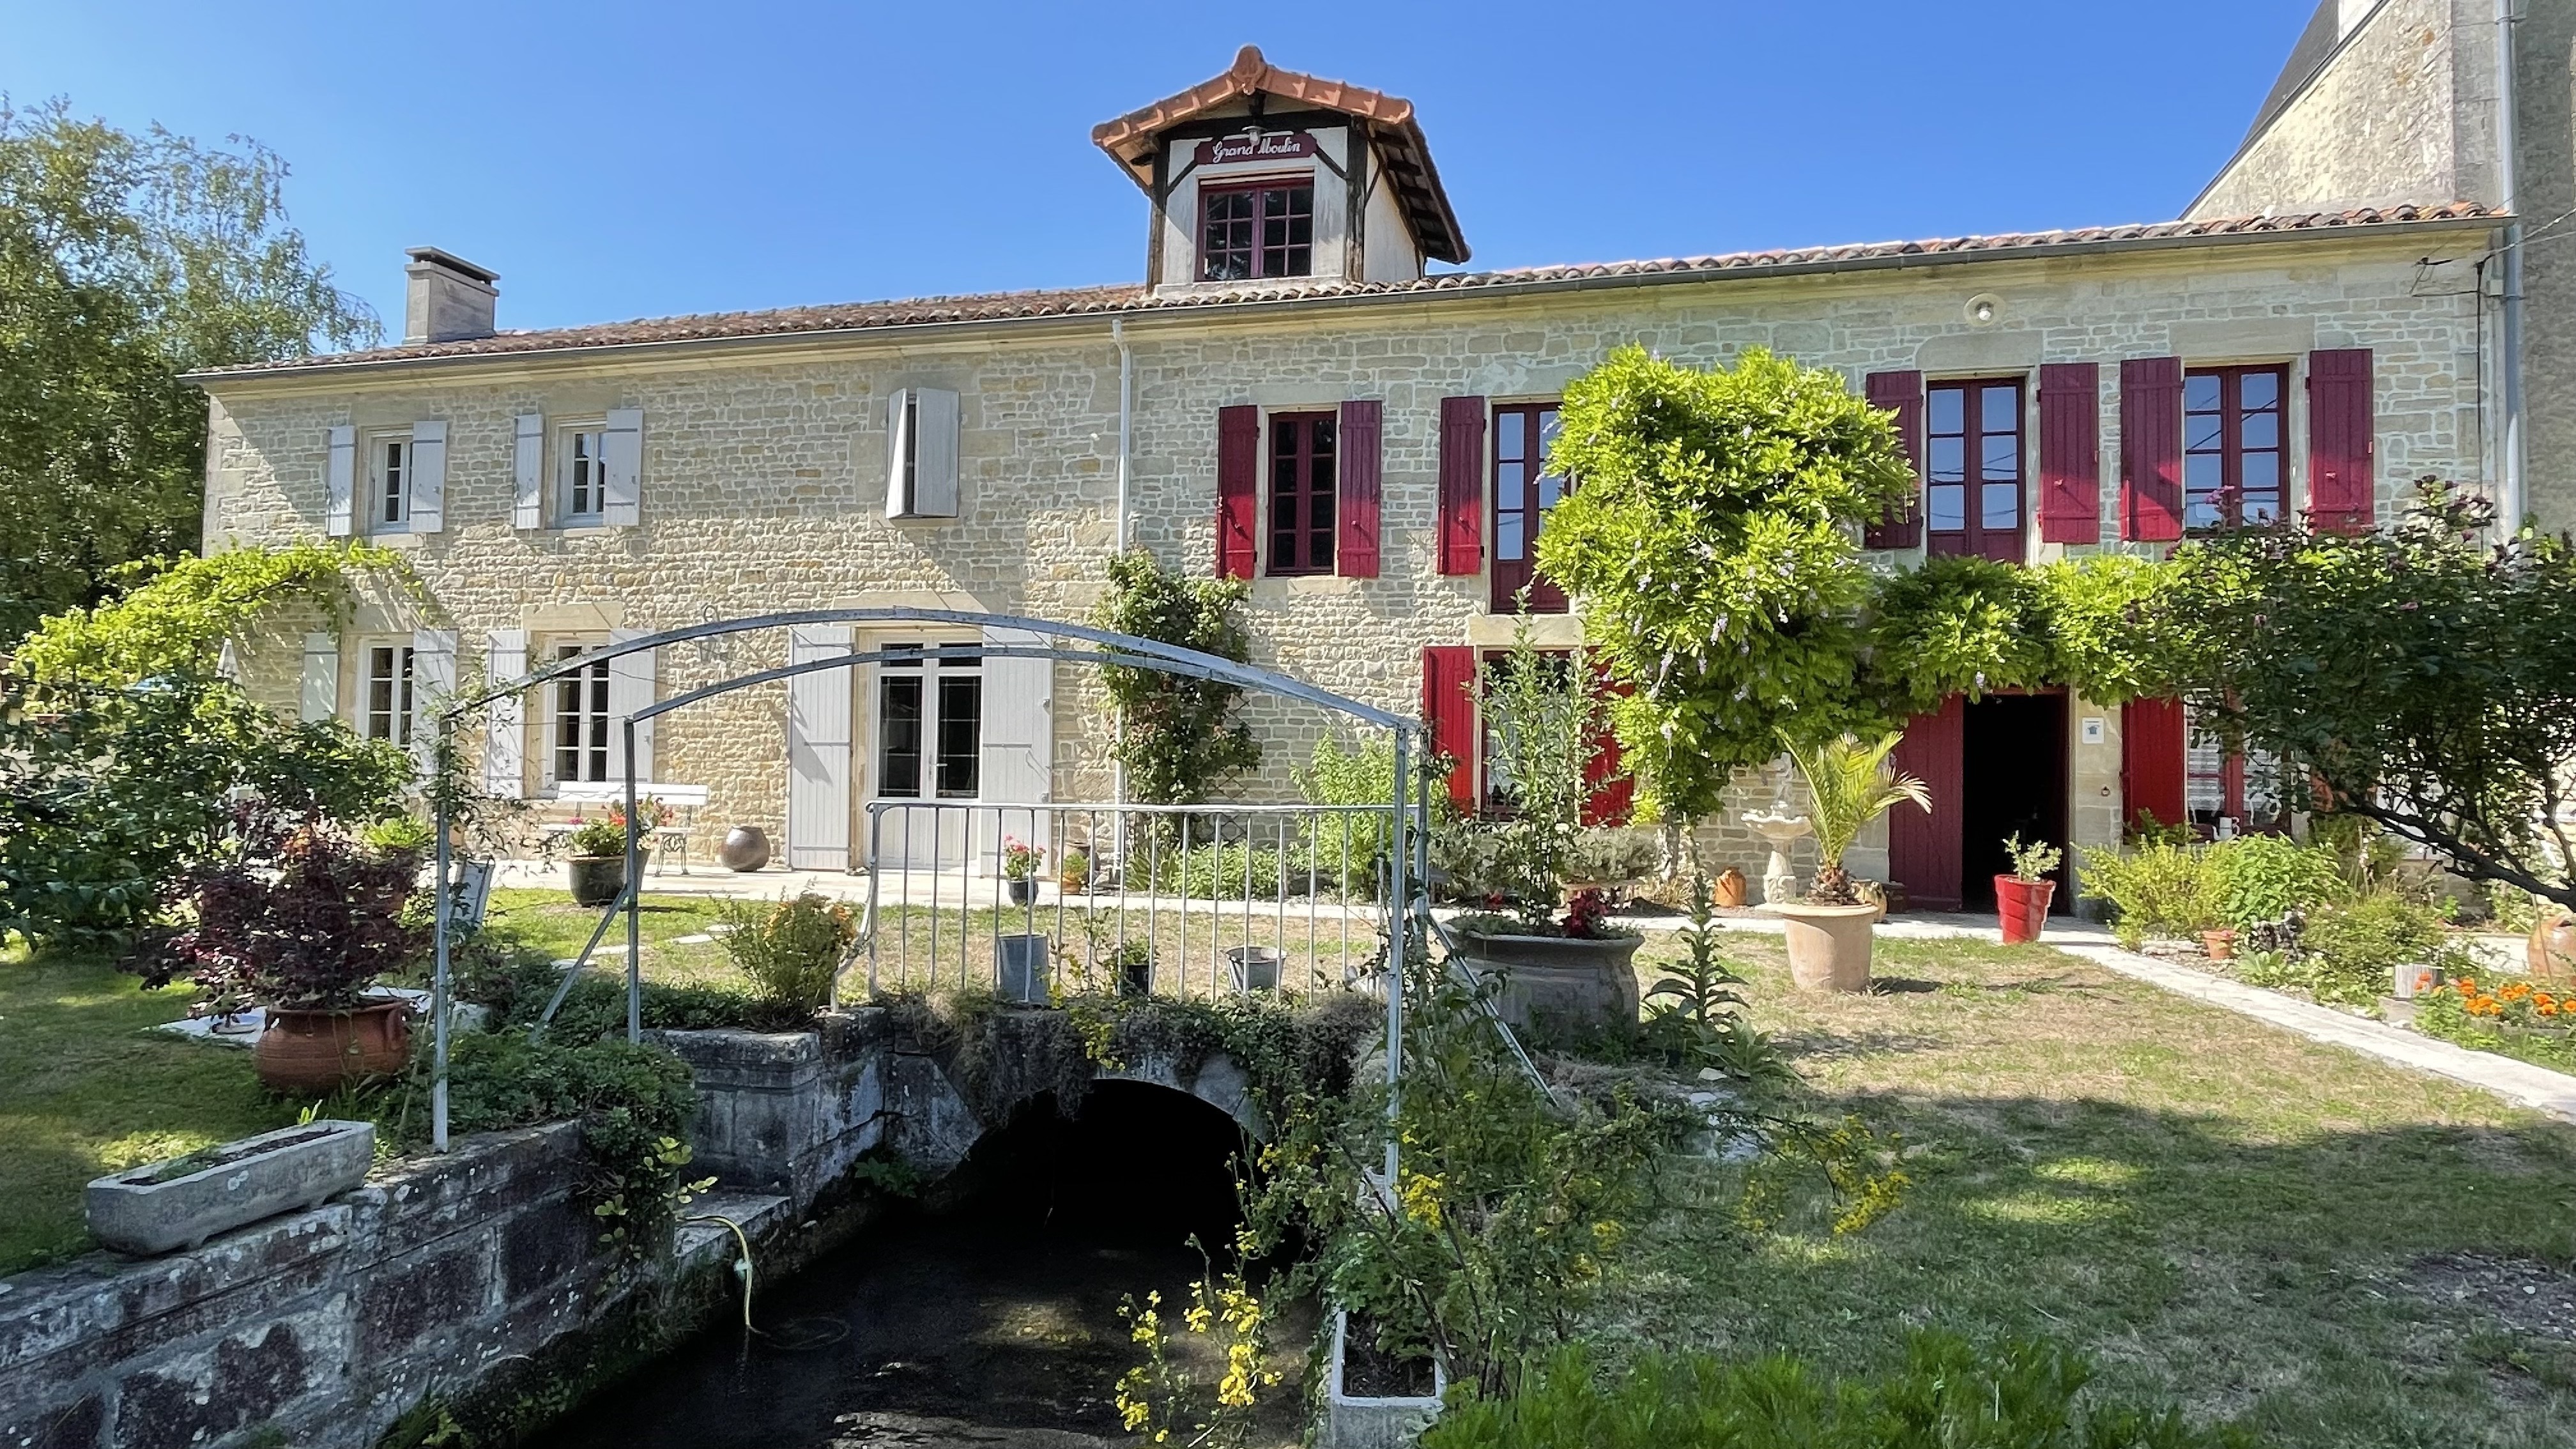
86	1088
2247	1223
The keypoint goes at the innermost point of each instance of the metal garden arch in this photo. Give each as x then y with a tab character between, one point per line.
1407	844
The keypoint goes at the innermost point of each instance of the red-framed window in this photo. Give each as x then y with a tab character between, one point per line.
1609	799
1523	493
1303	475
1973	470
1258	229
2219	782
2234	467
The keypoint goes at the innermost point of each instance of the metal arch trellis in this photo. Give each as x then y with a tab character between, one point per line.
1405	846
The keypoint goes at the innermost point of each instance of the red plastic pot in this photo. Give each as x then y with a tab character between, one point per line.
2023	904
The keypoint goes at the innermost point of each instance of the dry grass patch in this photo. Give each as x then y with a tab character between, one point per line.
2216	1210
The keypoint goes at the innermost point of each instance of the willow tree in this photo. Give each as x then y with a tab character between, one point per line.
1712	545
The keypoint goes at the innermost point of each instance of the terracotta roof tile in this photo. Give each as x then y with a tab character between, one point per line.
1082	301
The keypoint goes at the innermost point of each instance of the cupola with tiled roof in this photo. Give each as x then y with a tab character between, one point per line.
1263	174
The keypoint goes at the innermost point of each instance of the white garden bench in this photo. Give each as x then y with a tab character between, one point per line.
684	801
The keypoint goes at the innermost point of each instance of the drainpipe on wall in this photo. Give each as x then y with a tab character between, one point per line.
2510	503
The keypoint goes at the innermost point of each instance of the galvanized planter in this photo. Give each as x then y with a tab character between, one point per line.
238	1183
1363	1421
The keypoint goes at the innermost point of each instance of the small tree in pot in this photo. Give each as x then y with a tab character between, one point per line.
1849	784
302	922
1546	724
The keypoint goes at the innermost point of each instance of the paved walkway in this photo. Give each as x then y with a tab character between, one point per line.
2538	1088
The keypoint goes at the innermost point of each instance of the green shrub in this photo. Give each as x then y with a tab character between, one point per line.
2269	876
1948	1396
1219	872
2160	888
2352	951
791	949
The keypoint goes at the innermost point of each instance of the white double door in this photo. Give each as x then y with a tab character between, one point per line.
949	729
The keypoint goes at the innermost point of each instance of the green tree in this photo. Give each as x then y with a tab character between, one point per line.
1178	738
2421	677
1711	546
126	261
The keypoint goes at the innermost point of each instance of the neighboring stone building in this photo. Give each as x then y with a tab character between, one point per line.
2392	102
1315	412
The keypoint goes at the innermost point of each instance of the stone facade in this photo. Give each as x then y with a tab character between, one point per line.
2403	109
764	461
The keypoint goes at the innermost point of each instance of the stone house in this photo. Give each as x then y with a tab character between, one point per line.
1293	395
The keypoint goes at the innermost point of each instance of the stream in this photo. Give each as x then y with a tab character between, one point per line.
991	1323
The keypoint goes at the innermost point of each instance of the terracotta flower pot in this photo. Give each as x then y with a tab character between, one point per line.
2551	951
1728	889
2221	945
2023	905
1829	946
308	1053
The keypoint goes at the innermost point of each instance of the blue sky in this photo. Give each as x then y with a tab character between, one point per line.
614	161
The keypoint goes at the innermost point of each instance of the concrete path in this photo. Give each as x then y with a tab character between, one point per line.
2539	1088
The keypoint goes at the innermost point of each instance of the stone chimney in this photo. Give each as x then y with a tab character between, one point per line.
446	298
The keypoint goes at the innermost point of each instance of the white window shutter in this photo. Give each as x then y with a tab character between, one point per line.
818	751
622	466
528	469
630	688
321	692
339	477
428	477
899	423
934	474
433	684
1018	743
505	738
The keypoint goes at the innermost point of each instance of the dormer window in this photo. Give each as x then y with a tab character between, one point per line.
1258	229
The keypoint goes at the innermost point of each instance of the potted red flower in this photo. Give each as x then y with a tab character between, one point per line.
2021	898
302	924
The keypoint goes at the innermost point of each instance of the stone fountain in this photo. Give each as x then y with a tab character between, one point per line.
1783	831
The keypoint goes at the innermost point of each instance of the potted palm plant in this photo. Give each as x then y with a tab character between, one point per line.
1569	967
1849	784
2021	898
303	927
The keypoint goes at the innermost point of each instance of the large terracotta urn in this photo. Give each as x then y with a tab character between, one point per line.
1829	946
2551	951
310	1053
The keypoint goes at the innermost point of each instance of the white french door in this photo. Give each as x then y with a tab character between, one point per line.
928	713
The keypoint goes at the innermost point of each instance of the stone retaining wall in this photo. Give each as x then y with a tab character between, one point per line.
320	1329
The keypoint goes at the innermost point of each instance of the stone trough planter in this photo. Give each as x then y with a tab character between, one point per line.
1557	982
194	1198
1355	1417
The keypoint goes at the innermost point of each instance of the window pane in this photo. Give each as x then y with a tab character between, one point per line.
2260	430
2200	472
1510	483
961	734
2200	391
899	736
2003	458
1948	460
2258	389
2001	410
1947	414
2200	510
2202	432
1509	435
1509	545
2001	505
1949	505
2261	473
1548	427
1551	491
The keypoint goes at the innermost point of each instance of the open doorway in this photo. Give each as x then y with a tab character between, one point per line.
2013	777
1995	766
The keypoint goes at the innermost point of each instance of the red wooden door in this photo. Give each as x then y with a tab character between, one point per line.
1924	851
2151	762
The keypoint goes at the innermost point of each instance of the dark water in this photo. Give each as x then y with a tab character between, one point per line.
993	1324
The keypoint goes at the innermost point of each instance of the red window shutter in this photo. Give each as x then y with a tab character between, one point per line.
1462	485
2342	439
1449	715
1927	850
1238	497
2151	449
1355	517
2151	761
1612	794
1902	394
2070	453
